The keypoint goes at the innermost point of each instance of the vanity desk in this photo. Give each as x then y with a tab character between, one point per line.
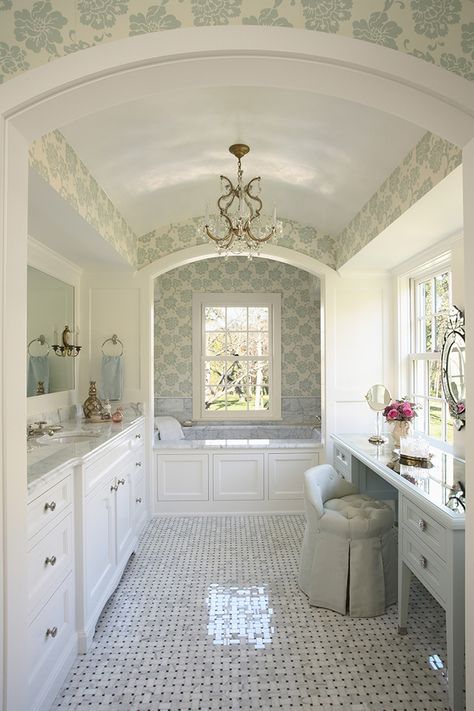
430	534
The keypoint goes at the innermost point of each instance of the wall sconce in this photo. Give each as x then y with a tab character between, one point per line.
68	348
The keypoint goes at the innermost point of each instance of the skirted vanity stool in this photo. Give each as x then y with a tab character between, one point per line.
349	554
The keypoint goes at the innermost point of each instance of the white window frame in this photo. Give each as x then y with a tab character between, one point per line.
270	300
407	320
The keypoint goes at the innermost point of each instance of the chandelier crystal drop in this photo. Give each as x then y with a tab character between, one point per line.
239	227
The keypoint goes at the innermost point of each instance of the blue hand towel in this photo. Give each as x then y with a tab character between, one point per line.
38	369
111	386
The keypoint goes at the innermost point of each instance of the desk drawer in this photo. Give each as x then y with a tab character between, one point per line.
426	565
425	529
342	461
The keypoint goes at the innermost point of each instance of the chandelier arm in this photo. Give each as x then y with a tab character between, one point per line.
254	198
260	240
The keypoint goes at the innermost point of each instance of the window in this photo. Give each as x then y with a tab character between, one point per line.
236	356
431	301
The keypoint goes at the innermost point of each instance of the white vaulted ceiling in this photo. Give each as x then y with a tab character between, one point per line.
320	158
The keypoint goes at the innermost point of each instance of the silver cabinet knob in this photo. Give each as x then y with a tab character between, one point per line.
138	464
121	481
422	524
50	506
114	487
138	436
50	560
138	500
423	561
51	632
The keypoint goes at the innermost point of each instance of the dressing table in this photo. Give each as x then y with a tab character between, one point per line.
430	533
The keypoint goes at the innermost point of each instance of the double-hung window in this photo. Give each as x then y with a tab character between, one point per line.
236	356
430	303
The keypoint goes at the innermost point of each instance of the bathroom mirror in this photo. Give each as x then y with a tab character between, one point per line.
50	307
453	367
378	397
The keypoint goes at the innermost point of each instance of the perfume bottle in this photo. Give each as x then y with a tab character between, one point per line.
92	407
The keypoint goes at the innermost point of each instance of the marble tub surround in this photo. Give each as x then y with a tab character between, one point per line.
254	431
294	409
45	461
197	444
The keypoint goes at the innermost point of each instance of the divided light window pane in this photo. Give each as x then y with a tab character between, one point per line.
236	358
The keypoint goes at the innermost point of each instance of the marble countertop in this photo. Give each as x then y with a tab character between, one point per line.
238	444
46	461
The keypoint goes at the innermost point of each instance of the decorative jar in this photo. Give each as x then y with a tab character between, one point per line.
399	428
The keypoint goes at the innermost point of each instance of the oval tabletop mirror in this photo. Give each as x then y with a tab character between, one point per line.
378	397
453	366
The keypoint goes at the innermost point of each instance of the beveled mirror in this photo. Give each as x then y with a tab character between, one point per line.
453	367
378	397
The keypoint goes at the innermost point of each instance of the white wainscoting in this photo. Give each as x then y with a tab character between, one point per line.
219	480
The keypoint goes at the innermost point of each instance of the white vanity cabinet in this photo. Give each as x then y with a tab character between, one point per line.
52	638
107	489
232	477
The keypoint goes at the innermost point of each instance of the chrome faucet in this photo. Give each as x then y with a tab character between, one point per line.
41	428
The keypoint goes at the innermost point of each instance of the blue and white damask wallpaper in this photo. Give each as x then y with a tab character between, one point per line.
300	329
35	32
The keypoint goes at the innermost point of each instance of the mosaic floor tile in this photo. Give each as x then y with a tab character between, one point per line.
209	617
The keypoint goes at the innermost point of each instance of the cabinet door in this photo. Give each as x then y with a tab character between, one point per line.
286	474
183	477
99	548
124	515
238	477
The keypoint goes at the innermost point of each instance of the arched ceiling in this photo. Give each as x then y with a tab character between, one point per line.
320	158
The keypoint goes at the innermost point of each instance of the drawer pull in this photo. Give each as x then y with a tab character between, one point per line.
138	464
343	457
423	561
422	525
50	506
50	560
51	632
121	481
114	487
139	500
138	436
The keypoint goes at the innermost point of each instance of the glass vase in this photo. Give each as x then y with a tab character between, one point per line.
399	428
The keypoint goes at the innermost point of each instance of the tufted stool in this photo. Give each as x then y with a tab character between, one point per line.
349	555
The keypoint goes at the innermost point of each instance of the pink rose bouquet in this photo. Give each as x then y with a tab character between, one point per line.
402	410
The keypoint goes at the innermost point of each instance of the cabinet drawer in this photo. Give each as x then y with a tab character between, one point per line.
50	560
342	461
50	506
425	564
423	527
105	465
45	652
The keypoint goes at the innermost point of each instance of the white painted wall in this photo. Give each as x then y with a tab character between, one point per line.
363	348
114	303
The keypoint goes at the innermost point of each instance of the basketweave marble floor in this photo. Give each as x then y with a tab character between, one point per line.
209	616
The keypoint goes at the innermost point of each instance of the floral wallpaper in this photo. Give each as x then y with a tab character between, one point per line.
174	237
300	327
430	161
57	162
33	32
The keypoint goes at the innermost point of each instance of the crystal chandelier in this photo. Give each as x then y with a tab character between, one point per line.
239	226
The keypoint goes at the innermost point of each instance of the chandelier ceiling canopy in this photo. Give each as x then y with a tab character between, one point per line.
239	225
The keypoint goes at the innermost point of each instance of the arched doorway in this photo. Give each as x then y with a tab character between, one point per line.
104	76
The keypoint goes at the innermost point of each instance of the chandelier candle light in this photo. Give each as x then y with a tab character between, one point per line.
240	227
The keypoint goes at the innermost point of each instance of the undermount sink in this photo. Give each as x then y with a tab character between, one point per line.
67	437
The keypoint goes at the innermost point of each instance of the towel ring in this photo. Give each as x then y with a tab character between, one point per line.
42	341
114	340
